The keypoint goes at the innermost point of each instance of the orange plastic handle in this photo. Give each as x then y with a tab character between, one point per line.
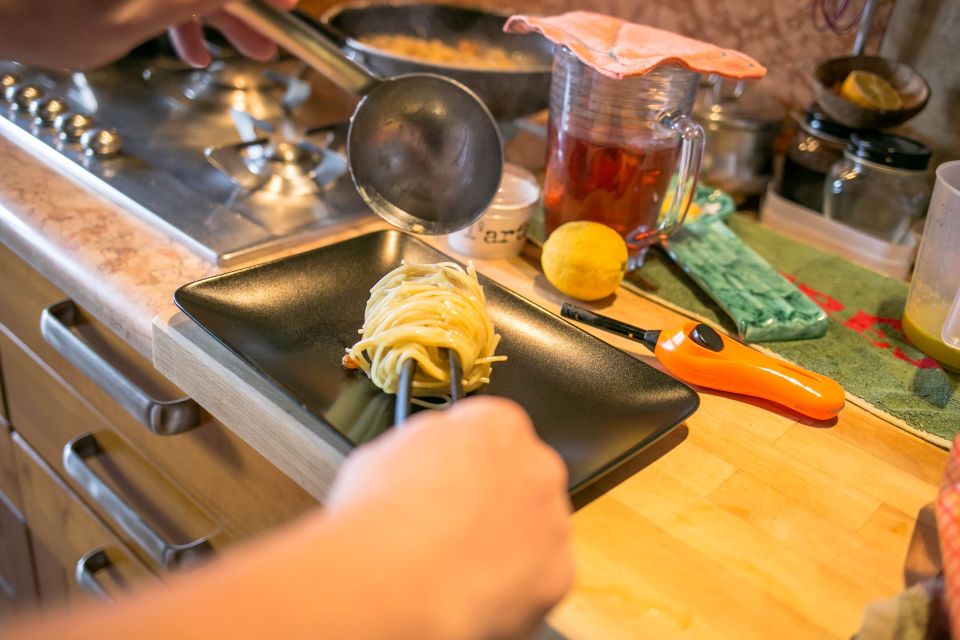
739	369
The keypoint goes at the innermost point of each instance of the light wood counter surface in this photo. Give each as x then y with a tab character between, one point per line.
746	522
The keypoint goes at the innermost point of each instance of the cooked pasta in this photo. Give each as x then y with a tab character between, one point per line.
420	311
465	53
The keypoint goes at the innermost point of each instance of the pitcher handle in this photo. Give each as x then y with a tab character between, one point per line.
688	171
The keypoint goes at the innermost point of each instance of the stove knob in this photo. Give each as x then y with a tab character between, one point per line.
45	112
72	125
8	80
20	96
101	143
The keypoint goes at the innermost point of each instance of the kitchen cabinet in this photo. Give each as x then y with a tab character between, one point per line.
93	438
79	556
79	445
17	588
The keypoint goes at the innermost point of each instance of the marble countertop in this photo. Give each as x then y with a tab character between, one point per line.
118	267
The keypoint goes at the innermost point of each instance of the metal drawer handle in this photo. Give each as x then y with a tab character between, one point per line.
163	417
166	554
86	573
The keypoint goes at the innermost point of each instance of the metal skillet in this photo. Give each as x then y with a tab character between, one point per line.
424	151
508	93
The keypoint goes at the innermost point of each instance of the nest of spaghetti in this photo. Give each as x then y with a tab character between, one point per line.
423	312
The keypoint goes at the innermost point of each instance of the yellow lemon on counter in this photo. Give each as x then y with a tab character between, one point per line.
585	260
870	90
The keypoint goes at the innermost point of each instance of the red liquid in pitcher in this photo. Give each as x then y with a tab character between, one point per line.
618	186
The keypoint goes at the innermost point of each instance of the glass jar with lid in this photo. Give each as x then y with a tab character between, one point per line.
817	145
880	186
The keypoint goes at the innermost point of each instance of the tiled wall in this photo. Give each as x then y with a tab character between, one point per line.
781	34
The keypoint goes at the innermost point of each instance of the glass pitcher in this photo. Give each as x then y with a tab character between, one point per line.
931	318
622	152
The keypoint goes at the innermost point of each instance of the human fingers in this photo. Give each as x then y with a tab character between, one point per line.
245	38
187	41
429	441
187	36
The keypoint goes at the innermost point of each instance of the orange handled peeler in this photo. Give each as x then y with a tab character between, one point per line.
697	354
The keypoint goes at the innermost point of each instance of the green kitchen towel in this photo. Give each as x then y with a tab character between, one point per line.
864	348
764	305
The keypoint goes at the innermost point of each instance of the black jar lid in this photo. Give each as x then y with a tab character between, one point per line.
819	122
890	150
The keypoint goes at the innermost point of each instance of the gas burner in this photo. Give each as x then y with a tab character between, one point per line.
284	162
283	186
232	82
222	78
289	160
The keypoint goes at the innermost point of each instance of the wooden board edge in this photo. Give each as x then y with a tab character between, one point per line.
278	428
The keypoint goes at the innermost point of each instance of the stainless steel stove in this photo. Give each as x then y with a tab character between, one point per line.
236	160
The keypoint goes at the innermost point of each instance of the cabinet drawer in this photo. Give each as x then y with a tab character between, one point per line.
218	469
52	327
90	559
24	294
151	513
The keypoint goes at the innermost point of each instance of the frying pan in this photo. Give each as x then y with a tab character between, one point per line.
508	93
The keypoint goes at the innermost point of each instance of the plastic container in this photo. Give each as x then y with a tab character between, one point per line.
804	225
950	334
502	229
816	147
930	316
880	187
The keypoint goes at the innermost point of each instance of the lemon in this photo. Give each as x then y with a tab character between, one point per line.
870	90
585	260
693	211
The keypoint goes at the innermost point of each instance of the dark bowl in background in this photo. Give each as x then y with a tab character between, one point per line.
911	86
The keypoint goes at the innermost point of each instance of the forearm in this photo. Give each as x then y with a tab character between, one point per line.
420	540
331	578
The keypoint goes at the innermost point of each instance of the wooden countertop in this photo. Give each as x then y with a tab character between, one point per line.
744	523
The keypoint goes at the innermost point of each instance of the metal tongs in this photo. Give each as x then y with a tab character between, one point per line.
405	388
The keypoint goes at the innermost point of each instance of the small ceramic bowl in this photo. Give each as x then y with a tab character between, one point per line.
501	231
911	86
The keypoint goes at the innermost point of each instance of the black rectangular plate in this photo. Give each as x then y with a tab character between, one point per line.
292	319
